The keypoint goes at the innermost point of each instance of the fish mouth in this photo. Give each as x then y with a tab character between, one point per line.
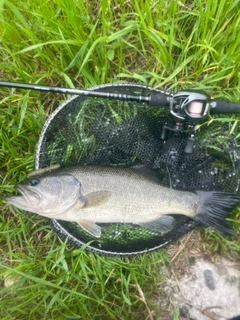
26	199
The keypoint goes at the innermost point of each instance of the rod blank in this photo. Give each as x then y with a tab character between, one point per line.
109	95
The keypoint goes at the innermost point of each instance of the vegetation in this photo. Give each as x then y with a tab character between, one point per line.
172	44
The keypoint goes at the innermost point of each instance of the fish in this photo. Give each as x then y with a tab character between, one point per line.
92	195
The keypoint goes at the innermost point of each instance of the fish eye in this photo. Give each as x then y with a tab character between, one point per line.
34	182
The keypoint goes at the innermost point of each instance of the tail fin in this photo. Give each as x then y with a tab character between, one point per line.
213	209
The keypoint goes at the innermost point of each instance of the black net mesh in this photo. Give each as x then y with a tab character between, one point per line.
87	130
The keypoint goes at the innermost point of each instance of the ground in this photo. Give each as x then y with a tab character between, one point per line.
192	295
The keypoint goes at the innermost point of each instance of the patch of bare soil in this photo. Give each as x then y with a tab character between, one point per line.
198	285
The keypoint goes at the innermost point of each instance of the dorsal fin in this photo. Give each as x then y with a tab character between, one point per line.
148	172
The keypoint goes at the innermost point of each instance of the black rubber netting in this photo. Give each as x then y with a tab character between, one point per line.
87	130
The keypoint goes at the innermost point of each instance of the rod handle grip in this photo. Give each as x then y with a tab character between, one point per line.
219	106
159	100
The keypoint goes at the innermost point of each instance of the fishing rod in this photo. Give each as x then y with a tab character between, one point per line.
186	106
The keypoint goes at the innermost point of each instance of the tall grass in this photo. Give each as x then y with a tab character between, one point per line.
175	44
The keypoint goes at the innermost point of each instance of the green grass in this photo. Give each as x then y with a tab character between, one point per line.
175	44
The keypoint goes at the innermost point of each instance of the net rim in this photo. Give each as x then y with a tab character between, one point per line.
63	232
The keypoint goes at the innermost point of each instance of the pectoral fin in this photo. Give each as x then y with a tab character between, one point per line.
97	198
163	224
90	227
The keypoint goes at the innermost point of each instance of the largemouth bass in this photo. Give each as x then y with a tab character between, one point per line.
93	194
